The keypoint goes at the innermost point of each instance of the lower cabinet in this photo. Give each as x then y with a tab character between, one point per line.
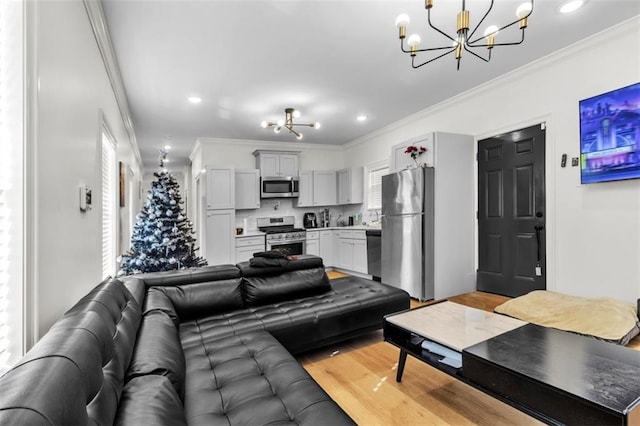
313	243
219	244
352	250
326	247
246	246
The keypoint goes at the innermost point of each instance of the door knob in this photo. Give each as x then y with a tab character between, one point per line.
539	214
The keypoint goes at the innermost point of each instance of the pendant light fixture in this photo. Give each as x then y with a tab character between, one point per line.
465	39
287	123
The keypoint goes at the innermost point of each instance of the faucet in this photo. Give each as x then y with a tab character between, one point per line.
377	216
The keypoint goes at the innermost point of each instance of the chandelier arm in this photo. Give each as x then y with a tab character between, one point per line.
481	21
430	60
402	46
466	48
293	132
512	43
304	124
437	29
503	28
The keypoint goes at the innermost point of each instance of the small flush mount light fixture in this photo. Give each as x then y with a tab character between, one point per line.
465	39
571	6
361	117
287	123
194	99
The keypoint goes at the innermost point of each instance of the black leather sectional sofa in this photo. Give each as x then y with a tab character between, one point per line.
209	345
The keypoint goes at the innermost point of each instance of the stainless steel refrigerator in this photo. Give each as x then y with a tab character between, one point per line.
407	231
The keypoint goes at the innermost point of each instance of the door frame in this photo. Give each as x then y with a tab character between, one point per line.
549	181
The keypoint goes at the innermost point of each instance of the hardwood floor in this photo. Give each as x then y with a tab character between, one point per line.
360	376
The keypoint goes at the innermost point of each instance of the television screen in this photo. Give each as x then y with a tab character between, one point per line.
610	135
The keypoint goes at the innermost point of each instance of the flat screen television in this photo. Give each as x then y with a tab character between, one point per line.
610	136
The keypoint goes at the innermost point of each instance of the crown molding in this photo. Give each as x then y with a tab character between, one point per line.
260	144
103	38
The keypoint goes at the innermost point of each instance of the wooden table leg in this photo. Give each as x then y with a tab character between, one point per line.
401	361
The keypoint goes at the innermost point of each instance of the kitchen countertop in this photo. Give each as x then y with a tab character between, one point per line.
354	227
251	233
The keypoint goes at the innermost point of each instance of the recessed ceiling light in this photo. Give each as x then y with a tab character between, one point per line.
167	147
361	117
571	6
194	99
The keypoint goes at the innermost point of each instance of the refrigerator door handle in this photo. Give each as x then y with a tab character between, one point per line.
388	216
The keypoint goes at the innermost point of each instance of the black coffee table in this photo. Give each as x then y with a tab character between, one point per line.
555	376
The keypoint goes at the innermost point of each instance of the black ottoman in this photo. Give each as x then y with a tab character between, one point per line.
251	379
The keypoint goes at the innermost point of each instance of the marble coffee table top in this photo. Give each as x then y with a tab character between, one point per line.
453	325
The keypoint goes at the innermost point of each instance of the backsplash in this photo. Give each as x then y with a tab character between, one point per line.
285	207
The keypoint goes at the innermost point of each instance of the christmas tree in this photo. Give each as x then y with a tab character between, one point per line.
162	237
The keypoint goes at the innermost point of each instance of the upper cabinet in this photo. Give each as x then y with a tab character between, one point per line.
276	163
401	160
317	188
220	188
305	188
351	186
247	189
324	188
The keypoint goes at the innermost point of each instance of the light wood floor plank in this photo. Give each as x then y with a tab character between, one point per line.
360	376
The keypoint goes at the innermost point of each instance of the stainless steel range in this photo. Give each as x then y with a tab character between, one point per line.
281	234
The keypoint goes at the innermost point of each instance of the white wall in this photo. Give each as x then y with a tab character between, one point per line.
593	231
69	87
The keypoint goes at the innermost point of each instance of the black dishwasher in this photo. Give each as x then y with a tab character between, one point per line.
374	253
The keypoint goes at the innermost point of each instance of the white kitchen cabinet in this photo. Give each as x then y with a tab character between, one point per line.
305	188
317	188
326	246
325	188
352	249
246	246
351	186
276	163
247	188
220	188
313	243
219	245
400	160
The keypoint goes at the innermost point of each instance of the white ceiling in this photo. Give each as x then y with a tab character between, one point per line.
332	60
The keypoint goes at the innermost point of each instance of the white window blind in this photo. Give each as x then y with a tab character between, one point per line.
11	182
374	198
108	205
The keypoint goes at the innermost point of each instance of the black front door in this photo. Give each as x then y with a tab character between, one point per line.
511	212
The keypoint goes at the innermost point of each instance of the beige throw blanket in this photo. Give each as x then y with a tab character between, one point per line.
603	318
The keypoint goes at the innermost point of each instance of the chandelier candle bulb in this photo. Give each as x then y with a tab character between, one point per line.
523	11
401	22
413	42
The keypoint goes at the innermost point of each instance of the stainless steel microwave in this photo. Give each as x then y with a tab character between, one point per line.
279	187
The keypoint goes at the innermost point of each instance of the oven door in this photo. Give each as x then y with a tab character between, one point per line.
292	248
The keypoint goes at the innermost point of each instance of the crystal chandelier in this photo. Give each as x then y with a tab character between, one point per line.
287	123
464	39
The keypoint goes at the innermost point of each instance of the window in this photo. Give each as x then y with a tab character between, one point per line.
11	182
374	184
109	194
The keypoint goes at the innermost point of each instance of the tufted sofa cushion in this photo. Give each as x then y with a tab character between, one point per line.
305	261
158	351
203	298
251	379
188	276
75	373
353	306
289	285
